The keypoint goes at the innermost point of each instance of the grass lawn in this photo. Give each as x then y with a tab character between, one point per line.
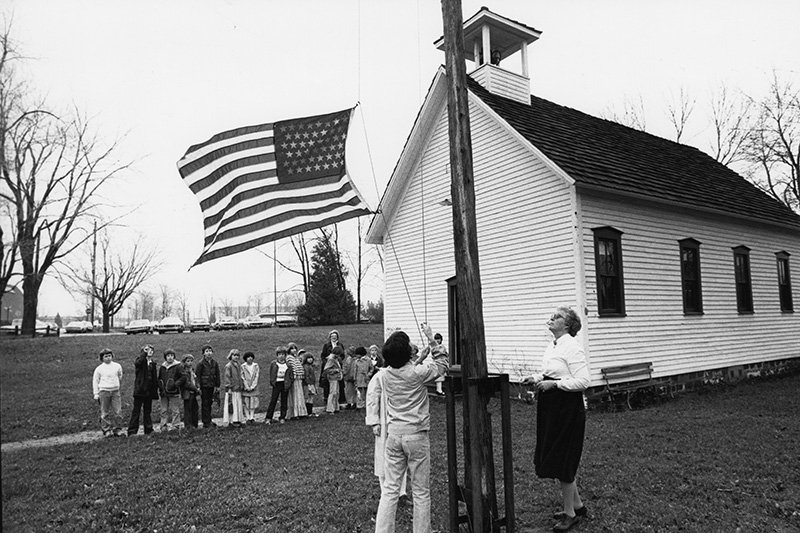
46	383
723	461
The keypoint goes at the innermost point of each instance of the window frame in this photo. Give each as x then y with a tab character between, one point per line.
613	235
744	287
784	289
691	308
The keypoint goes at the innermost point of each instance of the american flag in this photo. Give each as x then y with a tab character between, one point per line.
257	184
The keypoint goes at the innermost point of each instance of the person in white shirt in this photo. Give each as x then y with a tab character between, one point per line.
407	446
105	386
560	414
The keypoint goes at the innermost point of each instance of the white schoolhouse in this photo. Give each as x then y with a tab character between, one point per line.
669	256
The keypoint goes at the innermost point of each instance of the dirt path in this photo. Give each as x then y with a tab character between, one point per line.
91	436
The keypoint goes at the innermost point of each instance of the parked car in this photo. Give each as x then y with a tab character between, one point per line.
269	318
169	324
284	321
42	328
139	326
79	326
253	322
199	324
226	322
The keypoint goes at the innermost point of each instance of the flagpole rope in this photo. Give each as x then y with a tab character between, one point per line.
402	277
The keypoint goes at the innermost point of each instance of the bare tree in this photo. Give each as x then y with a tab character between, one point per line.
52	170
119	275
182	298
730	117
632	115
147	305
678	111
361	265
773	145
166	299
227	306
258	300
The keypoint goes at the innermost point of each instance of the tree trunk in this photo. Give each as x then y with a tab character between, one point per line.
30	302
106	318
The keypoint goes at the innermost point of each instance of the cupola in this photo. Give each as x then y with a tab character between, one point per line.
489	39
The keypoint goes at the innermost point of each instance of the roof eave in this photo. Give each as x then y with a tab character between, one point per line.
409	157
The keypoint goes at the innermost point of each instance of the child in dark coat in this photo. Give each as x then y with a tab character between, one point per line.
145	390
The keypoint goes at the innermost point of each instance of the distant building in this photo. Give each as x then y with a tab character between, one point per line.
668	256
11	306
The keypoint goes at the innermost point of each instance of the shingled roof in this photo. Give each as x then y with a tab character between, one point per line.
605	155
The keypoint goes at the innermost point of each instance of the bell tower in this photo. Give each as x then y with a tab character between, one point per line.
489	39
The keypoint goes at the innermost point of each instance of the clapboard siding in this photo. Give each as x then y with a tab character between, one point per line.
655	328
526	252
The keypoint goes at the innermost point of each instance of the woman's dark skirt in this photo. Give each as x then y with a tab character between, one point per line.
560	426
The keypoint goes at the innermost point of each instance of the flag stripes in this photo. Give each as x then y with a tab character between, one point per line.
293	229
260	183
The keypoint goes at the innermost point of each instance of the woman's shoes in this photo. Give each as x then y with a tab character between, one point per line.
567	523
561	515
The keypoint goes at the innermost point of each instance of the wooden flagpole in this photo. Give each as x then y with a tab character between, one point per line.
479	462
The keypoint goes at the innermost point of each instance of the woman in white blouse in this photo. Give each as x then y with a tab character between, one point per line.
560	415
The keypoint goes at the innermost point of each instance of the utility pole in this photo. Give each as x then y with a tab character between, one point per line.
478	460
94	262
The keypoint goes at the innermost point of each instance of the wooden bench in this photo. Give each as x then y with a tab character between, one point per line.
627	379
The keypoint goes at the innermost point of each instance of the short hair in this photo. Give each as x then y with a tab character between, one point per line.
168	351
290	346
331	332
338	350
571	319
143	349
280	350
232	353
361	351
105	351
251	355
437	337
187	357
397	350
206	347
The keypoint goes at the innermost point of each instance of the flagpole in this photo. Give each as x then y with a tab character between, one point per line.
274	284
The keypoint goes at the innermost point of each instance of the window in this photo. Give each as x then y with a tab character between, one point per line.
784	282
744	287
608	267
690	277
452	321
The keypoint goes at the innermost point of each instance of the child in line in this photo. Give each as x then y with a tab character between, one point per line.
349	377
145	390
106	381
250	374
188	385
168	389
234	385
333	373
309	380
277	377
363	367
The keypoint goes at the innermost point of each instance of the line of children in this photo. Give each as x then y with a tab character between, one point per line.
293	378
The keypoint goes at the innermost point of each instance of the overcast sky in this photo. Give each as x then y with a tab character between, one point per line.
161	76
